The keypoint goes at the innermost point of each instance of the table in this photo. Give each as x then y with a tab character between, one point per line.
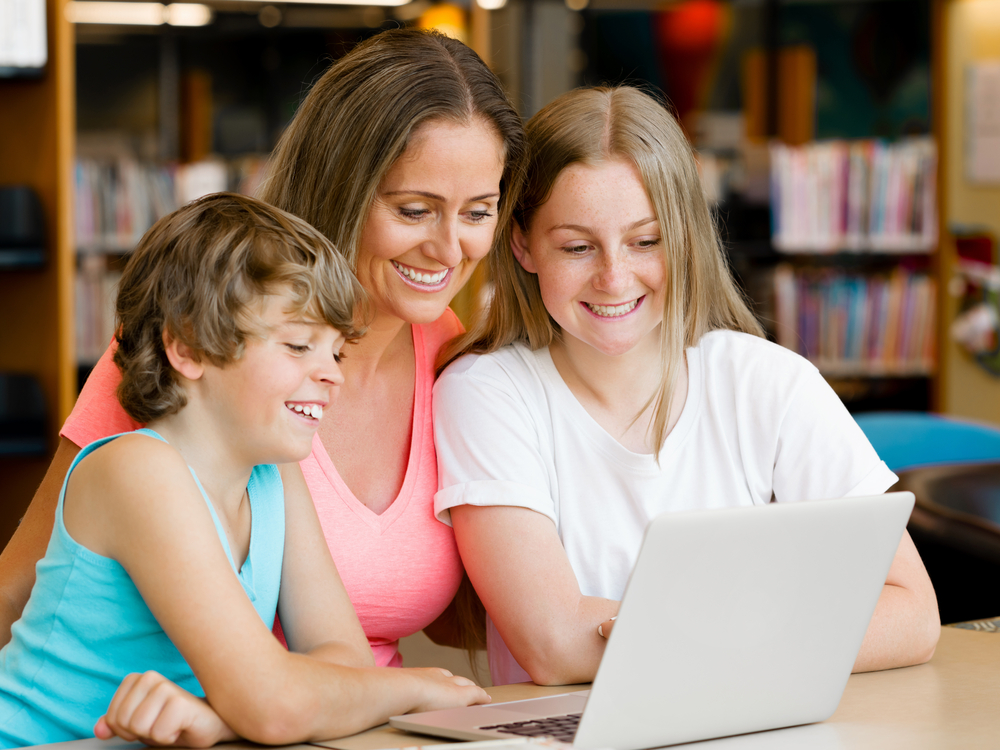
953	701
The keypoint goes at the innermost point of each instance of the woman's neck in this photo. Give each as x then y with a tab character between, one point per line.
387	336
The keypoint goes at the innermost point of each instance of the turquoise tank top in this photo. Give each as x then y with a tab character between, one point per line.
86	626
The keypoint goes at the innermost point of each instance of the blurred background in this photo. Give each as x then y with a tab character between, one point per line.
850	149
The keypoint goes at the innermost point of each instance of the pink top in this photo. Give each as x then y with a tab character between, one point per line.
401	568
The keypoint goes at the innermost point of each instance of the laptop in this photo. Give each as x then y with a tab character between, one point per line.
733	621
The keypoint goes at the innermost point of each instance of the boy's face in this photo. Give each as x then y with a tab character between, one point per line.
271	400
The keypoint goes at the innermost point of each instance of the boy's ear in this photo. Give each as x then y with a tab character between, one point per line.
519	246
182	357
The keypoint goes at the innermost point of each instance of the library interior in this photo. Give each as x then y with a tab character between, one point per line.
849	150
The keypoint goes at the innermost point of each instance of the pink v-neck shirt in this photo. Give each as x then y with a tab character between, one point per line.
401	568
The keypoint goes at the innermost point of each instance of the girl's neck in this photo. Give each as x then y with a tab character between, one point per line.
618	391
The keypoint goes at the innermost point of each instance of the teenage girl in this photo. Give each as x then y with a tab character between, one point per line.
619	374
152	610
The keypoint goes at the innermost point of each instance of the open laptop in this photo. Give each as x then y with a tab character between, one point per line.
733	621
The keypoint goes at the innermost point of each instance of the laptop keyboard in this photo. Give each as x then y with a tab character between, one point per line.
559	727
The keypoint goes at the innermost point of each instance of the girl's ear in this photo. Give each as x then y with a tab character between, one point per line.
519	246
182	357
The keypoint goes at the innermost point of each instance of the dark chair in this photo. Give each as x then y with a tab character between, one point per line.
953	469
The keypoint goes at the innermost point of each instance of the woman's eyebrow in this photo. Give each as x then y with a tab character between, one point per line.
436	197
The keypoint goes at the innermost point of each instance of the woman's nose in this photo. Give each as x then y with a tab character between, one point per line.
446	245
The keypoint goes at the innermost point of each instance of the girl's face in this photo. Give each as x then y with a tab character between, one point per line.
433	219
595	247
273	396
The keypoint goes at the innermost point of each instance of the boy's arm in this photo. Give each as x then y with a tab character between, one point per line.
312	594
135	501
27	546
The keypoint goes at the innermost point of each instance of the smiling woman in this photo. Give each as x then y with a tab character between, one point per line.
403	154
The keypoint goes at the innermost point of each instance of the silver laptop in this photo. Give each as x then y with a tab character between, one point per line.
733	621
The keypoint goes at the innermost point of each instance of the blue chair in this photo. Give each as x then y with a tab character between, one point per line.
953	468
905	440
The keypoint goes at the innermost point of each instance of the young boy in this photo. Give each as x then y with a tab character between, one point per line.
175	546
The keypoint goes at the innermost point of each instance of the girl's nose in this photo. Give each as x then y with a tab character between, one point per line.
613	274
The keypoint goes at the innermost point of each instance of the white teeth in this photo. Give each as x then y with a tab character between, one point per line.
420	278
310	410
613	311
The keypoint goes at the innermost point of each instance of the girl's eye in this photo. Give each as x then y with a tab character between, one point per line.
576	249
652	242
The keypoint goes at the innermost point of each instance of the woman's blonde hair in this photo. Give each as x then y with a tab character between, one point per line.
359	117
199	273
593	126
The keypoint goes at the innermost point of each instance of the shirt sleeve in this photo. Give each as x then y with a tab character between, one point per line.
821	451
490	443
97	413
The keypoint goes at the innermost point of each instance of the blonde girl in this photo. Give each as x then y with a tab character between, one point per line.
619	374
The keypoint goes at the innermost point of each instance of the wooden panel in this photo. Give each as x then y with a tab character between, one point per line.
37	130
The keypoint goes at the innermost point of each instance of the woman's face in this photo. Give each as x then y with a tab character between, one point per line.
595	246
433	219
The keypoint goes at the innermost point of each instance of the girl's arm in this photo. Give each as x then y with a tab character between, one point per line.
27	546
906	625
135	501
519	568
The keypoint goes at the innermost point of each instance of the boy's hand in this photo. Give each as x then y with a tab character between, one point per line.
441	689
150	708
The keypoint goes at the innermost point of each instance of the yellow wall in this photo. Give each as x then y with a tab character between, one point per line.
971	32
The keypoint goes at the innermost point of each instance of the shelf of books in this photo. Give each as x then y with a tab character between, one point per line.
117	200
858	220
855	196
853	324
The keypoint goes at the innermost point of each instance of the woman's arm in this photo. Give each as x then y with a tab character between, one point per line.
517	564
27	546
906	626
167	543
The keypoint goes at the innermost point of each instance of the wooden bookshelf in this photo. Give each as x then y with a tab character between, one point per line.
37	125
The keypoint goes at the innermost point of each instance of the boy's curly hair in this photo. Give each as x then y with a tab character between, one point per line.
198	273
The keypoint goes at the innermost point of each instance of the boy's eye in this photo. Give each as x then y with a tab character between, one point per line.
298	348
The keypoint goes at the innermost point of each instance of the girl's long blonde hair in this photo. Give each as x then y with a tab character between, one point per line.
592	126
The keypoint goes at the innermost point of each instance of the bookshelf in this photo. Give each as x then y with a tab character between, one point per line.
36	306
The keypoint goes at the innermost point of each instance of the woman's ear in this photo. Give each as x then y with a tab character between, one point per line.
182	357
519	246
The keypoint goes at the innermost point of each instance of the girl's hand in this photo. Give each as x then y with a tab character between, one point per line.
439	689
150	708
604	629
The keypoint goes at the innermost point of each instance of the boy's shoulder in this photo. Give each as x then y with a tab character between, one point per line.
129	462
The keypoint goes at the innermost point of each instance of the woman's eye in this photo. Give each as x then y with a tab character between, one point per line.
414	213
478	216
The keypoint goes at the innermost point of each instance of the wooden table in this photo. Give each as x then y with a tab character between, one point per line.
951	702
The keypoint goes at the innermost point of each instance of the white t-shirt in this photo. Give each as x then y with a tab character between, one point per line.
759	424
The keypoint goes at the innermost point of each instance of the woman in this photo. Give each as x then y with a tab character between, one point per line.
402	154
619	374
